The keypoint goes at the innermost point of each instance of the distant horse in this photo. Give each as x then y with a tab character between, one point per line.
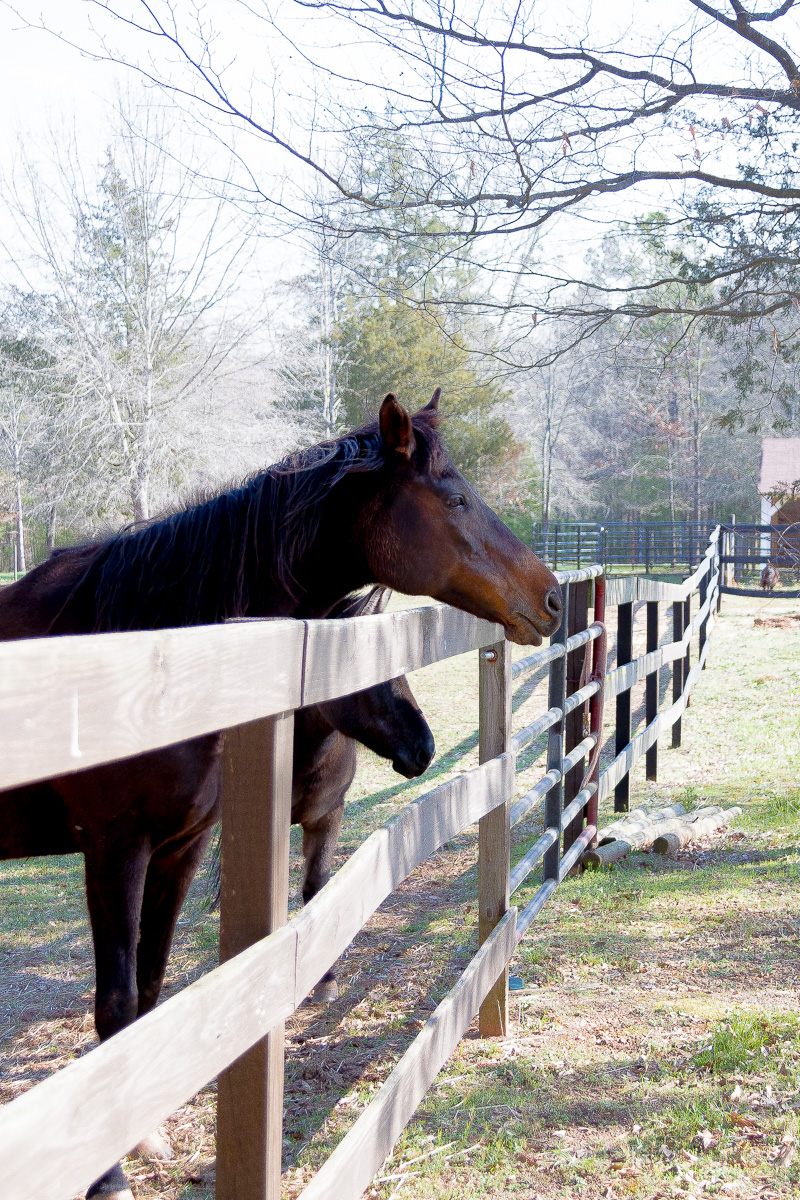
381	505
769	577
387	720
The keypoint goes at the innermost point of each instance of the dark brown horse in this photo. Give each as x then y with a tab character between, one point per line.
382	505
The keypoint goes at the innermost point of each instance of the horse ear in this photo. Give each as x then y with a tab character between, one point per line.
397	432
431	409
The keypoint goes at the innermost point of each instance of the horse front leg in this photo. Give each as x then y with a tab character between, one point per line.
319	846
115	875
172	869
169	875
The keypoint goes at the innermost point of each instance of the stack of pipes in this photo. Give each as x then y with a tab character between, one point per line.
665	830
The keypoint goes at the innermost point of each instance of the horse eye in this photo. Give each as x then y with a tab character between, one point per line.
455	501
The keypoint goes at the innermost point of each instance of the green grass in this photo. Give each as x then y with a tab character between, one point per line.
745	1039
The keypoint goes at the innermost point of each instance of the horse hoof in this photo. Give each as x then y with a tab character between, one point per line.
326	992
113	1186
153	1146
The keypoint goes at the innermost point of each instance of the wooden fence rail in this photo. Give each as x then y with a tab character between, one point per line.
60	702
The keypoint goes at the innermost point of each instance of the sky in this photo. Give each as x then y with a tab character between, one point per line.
47	83
42	77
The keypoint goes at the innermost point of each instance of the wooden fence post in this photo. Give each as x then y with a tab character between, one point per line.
256	815
494	830
677	668
623	729
554	802
651	689
577	620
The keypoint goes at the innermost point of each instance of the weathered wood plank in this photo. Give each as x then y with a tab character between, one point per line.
626	676
348	1171
346	656
622	590
331	920
622	734
63	1134
574	713
494	830
71	702
652	699
256	821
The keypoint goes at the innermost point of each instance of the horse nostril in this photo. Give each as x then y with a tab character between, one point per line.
553	603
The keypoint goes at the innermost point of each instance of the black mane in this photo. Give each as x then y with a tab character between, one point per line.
211	561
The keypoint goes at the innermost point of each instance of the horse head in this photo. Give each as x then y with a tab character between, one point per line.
428	532
385	718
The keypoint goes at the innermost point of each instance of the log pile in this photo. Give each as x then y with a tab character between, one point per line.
665	830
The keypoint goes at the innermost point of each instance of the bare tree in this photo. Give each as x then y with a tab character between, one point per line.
311	361
21	426
144	275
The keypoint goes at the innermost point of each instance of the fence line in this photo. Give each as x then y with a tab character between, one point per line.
88	700
59	1136
648	544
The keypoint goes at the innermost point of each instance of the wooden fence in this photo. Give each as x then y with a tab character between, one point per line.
72	702
703	586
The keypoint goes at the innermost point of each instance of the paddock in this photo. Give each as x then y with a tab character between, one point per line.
405	642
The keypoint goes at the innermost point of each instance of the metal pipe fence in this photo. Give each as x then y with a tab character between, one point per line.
650	545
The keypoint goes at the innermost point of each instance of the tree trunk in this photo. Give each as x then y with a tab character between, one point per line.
696	455
547	462
140	491
20	526
50	527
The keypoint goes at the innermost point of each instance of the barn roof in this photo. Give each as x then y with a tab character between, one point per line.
780	463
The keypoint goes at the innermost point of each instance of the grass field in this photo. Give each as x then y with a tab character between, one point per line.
655	1046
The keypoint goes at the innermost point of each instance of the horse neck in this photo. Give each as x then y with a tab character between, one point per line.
315	740
217	561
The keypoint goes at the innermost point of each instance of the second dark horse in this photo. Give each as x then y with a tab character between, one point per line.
387	720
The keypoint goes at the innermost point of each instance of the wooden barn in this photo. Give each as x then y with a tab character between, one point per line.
779	488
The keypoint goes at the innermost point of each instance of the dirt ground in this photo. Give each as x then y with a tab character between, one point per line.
654	1049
